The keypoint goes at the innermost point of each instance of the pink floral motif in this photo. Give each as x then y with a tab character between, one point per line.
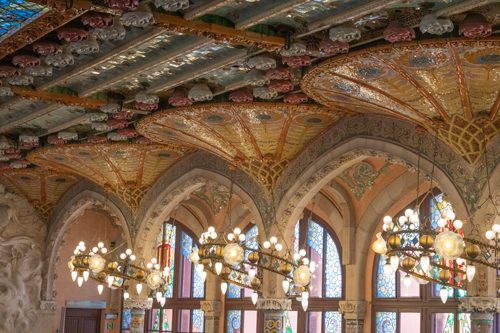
5	166
47	48
280	86
72	35
397	32
97	19
127	132
25	61
12	156
180	98
54	140
9	71
97	139
27	144
117	123
126	5
297	61
295	98
123	115
279	73
475	26
241	95
143	141
333	47
146	107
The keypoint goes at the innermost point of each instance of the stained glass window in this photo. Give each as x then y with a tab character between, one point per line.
333	275
198	286
233	291
168	253
333	322
386	285
296	234
16	14
126	319
251	238
385	322
233	321
198	318
436	210
315	237
464	323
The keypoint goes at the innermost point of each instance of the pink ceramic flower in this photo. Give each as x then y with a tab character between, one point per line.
280	86
241	95
25	61
180	98
97	139
123	115
126	5
27	144
12	151
127	132
397	32
297	61
146	107
47	48
54	140
97	19
279	73
295	98
333	47
475	26
117	123
12	156
5	166
72	35
143	141
9	71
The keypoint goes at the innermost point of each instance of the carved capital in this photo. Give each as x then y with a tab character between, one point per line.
274	304
479	304
136	303
212	307
357	308
48	305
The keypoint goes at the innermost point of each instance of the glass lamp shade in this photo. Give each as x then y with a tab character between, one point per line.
395	263
305	304
218	267
286	286
86	275
449	245
379	245
80	281
255	297
471	271
100	288
162	301
223	287
443	293
407	281
388	270
425	263
301	276
234	254
139	288
74	274
96	263
153	279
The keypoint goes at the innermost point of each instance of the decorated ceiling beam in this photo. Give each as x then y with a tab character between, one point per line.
218	33
68	124
59	98
206	8
21	121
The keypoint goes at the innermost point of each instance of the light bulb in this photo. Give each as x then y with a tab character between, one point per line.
223	287
138	287
471	271
408	212
153	261
104	250
95	249
230	237
158	296
413	218
305	303
267	245
157	266
407	281
255	297
274	240
450	216
490	234
203	276
86	275
302	253
286	285
241	238
305	295
81	244
100	288
460	261
305	261
457	224
74	274
384	227
75	252
251	273
387	219
126	295
201	240
425	263
213	235
402	220
312	266
496	228
237	231
82	248
442	223
132	257
218	267
128	252
394	263
123	256
211	229
149	265
278	247
162	301
80	281
296	256
110	280
100	245
388	270
443	293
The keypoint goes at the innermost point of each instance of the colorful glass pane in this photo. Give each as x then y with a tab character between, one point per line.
169	252
296	234
198	317
386	286
16	14
126	318
233	291
288	326
233	321
385	322
187	245
449	323
251	238
198	286
464	323
333	322
333	273
315	237
167	319
437	207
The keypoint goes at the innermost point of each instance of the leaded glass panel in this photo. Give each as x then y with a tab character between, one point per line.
333	273
315	237
233	321
169	253
127	317
333	322
16	14
385	322
464	323
233	291
438	206
386	285
198	286
198	318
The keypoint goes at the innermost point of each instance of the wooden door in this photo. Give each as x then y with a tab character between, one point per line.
82	321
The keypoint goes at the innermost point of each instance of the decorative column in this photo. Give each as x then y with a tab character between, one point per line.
354	314
47	314
137	308
212	310
273	314
481	310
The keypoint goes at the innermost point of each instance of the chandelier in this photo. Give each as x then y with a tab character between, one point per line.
441	254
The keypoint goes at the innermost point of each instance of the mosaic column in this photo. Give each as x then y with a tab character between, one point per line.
212	310
354	314
481	311
137	308
273	313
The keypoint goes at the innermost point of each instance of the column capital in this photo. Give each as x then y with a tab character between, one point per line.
357	308
138	303
274	304
214	307
479	304
48	305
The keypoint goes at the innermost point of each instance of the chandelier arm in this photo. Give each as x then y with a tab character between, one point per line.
113	285
403	251
228	279
436	281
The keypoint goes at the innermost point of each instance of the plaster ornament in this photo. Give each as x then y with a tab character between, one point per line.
125	5
180	97
38	71
9	71
25	61
475	26
6	91
12	156
344	34
97	139
281	86
96	116
123	115
114	136
101	127
241	95
144	97
97	19
111	107
85	46
264	93
172	5
23	80
280	73
256	77
12	150
200	93
116	32
398	32
297	61
47	48
72	35
140	18
68	134
5	143
28	139
117	123
143	141
434	25
333	47
61	60
296	49
128	133
146	107
19	164
295	98
262	63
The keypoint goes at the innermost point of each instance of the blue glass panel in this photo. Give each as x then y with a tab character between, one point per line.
386	286
385	322
15	14
333	322
187	245
436	210
333	271
233	321
233	291
198	286
126	319
315	237
198	317
297	236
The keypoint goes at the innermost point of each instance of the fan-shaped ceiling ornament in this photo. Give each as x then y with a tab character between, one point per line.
260	138
451	85
127	170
